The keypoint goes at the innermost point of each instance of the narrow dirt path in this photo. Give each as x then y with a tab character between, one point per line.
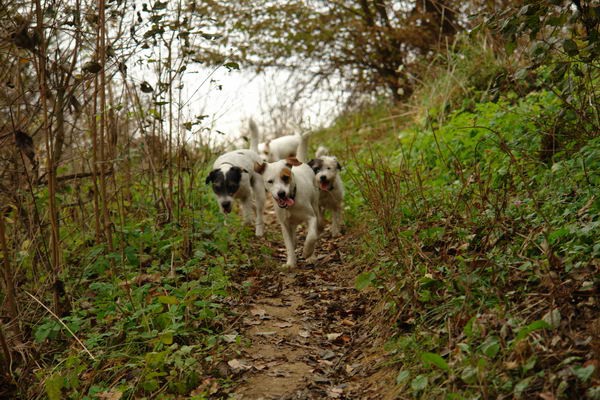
306	330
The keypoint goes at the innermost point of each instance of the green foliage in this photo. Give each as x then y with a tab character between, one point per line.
465	221
139	320
563	46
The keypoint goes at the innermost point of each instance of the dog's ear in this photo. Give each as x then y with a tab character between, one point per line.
292	162
339	166
312	163
211	176
235	174
260	167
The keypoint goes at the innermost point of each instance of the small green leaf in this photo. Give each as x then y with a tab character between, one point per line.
570	47
584	373
491	346
469	375
363	280
168	300
522	385
54	386
232	65
419	383
402	377
435	359
166	338
534	326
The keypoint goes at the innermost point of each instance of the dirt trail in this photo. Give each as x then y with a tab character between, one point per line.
307	330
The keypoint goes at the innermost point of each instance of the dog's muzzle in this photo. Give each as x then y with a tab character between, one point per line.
226	205
324	184
283	201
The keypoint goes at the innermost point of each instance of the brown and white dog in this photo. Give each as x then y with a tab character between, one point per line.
291	184
233	178
331	188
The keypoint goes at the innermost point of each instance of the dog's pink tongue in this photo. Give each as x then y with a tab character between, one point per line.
289	202
324	186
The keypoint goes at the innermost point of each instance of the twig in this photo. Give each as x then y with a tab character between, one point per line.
62	323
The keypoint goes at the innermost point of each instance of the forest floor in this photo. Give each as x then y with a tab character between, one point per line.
308	333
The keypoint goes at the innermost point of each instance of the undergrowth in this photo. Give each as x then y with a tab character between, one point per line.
151	316
485	250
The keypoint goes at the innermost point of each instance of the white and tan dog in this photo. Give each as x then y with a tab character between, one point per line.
331	188
276	149
233	178
291	184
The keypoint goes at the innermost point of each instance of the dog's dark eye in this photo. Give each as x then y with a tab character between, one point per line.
270	181
285	179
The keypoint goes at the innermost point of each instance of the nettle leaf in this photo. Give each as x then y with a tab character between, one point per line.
435	359
365	279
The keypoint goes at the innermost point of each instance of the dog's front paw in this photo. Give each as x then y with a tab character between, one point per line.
288	266
259	231
312	259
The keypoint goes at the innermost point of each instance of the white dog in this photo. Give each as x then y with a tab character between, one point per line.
291	184
331	189
276	149
233	177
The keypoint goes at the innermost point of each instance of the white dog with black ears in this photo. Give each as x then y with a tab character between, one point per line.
291	184
233	178
331	188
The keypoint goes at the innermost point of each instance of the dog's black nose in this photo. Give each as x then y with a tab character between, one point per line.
226	206
281	194
323	178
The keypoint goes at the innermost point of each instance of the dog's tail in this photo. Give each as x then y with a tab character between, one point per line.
253	135
321	151
302	151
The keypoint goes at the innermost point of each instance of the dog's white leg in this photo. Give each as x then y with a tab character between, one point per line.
289	238
336	221
259	196
311	239
246	205
321	220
